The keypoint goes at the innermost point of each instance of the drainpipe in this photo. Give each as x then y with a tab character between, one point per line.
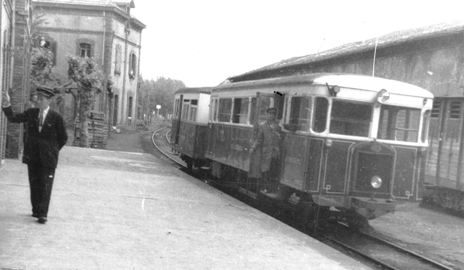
123	110
12	43
105	68
138	70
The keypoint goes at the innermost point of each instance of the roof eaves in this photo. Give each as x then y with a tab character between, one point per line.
388	40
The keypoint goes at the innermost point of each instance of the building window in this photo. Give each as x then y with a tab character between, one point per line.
50	46
130	107
455	109
132	65
117	60
84	49
436	108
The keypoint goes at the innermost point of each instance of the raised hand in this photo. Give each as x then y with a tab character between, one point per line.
5	98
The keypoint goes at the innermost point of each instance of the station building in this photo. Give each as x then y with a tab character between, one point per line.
106	31
431	57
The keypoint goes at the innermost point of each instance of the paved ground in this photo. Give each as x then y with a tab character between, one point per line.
121	210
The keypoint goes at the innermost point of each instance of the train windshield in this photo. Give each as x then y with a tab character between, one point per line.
399	124
348	118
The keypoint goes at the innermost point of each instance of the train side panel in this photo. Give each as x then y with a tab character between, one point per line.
192	140
229	145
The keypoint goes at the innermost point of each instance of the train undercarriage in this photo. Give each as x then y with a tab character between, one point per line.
309	210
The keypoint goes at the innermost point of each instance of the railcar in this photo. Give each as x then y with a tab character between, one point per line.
351	143
189	124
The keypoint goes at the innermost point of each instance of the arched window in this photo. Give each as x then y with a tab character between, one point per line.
133	65
50	44
117	60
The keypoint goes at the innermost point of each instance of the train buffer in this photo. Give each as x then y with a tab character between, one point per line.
120	210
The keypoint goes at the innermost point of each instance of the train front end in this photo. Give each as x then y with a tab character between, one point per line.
377	143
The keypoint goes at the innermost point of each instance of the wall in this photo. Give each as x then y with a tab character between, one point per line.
20	76
5	27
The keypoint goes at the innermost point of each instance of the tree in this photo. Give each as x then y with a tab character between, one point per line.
159	92
88	79
42	60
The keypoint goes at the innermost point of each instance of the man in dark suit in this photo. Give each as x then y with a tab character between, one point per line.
46	136
268	142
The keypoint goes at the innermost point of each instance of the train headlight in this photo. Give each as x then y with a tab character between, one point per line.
328	143
376	181
382	96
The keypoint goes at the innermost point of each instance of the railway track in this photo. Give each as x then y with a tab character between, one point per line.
378	252
381	252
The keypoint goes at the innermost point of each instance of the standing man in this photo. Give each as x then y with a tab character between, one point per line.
268	141
46	136
31	103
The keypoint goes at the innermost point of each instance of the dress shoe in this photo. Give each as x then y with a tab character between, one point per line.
42	220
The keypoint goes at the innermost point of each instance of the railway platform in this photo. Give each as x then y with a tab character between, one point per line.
121	210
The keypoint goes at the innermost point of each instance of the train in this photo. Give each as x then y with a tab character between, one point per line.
352	146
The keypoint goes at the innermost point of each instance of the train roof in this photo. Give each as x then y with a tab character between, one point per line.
369	83
194	90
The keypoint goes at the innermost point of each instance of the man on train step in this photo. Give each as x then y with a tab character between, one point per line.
268	143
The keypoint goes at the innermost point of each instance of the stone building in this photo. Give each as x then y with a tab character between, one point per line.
105	31
431	57
15	63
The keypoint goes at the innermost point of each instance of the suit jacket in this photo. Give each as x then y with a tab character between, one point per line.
269	141
44	145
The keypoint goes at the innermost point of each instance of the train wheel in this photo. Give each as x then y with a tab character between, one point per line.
357	222
312	216
189	163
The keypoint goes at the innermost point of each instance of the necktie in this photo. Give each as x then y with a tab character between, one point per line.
41	118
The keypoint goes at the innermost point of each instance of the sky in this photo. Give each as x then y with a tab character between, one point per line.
203	42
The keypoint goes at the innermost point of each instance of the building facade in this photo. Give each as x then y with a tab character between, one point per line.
105	31
15	64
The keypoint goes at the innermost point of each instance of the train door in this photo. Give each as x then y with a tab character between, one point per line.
445	153
259	105
179	115
295	144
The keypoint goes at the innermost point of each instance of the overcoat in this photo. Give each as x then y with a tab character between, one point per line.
46	144
266	141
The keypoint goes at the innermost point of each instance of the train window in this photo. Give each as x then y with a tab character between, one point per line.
240	115
185	109
193	110
225	108
265	102
349	118
425	126
320	114
215	110
399	124
253	111
300	113
174	113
